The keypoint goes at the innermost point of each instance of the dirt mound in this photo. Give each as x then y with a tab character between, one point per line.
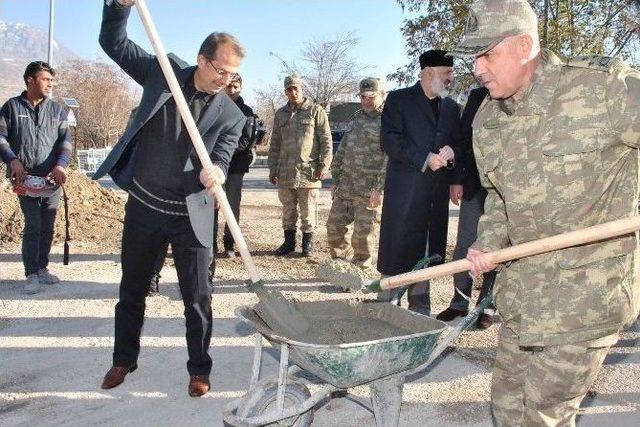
95	213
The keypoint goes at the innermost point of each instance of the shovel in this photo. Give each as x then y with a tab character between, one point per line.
67	235
274	309
583	236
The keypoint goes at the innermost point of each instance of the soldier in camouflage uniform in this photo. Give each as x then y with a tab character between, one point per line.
358	178
299	158
556	147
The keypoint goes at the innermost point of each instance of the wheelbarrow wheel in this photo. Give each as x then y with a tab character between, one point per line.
264	402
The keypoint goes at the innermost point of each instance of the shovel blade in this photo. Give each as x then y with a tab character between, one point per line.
279	313
343	274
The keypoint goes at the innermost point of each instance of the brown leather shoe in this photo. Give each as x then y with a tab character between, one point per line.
199	385
116	375
484	321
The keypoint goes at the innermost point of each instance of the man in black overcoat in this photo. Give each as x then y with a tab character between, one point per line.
417	123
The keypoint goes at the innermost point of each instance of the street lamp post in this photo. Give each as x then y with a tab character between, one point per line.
71	104
50	53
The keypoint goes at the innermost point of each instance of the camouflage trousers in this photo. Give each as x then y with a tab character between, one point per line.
542	386
305	200
345	212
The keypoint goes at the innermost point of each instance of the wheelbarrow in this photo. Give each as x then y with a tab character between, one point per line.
382	363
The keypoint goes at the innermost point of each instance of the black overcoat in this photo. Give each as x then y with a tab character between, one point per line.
414	201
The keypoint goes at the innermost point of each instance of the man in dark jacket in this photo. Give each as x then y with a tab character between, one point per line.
35	139
240	161
417	123
169	190
467	191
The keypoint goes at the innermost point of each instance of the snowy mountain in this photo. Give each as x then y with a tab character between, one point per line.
19	45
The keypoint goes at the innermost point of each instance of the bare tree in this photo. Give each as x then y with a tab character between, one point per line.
268	100
329	70
568	27
105	98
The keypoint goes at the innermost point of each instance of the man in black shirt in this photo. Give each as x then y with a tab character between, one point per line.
467	192
240	161
169	190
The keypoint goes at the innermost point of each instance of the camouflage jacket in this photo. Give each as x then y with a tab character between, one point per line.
561	159
359	165
300	145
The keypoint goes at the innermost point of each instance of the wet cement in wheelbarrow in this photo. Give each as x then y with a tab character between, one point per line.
353	329
333	322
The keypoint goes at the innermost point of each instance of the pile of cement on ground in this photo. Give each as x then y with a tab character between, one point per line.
95	213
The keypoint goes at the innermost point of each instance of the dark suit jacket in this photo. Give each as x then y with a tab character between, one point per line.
412	198
243	155
220	125
466	171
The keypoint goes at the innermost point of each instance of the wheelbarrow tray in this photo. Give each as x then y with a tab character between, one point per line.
351	364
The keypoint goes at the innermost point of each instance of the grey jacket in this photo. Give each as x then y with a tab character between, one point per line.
40	141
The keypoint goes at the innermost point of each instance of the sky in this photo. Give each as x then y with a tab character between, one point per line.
281	26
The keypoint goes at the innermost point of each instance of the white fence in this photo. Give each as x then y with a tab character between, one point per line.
90	160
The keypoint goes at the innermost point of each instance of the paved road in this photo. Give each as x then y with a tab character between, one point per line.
257	180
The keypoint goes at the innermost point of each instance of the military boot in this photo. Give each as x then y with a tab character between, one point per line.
289	244
307	244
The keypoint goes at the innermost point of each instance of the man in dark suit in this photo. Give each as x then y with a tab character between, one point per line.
417	123
169	190
240	162
467	191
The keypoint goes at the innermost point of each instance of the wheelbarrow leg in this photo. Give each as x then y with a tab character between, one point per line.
257	361
386	398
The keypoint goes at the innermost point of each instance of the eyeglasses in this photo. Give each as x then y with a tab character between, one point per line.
223	74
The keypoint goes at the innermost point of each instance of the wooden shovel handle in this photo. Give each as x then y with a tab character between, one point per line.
561	241
196	138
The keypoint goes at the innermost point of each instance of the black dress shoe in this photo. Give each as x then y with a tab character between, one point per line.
484	321
420	309
451	313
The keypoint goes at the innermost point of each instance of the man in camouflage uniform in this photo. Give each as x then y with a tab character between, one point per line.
358	178
299	158
556	147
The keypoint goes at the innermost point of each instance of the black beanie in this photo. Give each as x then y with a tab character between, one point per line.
435	58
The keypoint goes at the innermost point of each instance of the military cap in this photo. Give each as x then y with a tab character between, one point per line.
435	58
491	21
370	86
292	80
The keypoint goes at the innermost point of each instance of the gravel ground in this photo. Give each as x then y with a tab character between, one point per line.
55	346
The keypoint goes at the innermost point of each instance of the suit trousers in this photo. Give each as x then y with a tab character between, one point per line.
418	295
233	189
145	232
294	198
470	212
